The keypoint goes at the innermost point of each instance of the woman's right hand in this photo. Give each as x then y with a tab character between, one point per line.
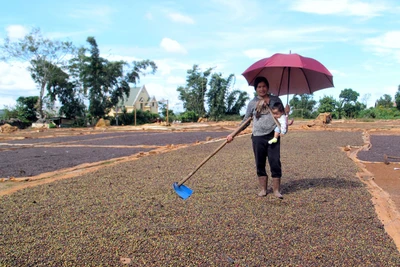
229	138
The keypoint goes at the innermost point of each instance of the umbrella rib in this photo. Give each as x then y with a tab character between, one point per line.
252	81
329	80
308	84
280	84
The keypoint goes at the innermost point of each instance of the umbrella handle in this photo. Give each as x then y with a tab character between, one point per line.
233	134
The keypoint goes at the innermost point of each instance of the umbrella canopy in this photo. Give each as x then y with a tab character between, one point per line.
290	74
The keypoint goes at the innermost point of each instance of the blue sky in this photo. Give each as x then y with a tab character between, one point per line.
358	41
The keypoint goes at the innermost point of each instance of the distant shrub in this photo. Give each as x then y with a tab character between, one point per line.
381	113
142	117
188	116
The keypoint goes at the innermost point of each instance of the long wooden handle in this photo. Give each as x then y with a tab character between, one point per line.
233	134
202	163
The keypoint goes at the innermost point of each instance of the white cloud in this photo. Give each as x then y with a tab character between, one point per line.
15	32
365	9
15	81
238	9
96	11
339	7
387	44
128	59
7	102
164	66
310	34
100	15
337	73
368	66
257	53
177	17
62	35
176	80
172	46
165	92
170	75
282	35
167	66
389	40
15	76
149	16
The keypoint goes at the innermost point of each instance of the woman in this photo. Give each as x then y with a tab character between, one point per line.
263	131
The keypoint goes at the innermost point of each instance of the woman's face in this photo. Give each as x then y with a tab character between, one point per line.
262	89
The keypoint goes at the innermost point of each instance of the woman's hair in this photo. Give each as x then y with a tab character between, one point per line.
279	107
260	79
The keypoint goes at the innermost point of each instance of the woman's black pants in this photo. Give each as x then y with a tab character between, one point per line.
263	151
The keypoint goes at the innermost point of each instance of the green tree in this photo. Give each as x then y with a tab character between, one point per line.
106	82
348	95
94	80
352	110
397	98
302	105
384	101
26	108
327	104
193	94
163	107
10	112
143	117
236	100
347	98
67	92
39	52
216	95
188	116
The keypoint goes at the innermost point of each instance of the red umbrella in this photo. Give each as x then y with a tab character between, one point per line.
290	74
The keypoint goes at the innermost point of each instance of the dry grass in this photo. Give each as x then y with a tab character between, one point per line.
128	214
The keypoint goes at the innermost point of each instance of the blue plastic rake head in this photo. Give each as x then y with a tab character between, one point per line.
182	190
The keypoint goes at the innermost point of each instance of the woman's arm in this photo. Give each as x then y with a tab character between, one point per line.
245	122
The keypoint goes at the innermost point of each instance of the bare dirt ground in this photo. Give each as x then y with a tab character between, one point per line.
382	181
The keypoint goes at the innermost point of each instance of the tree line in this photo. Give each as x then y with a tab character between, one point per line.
206	87
74	76
347	106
